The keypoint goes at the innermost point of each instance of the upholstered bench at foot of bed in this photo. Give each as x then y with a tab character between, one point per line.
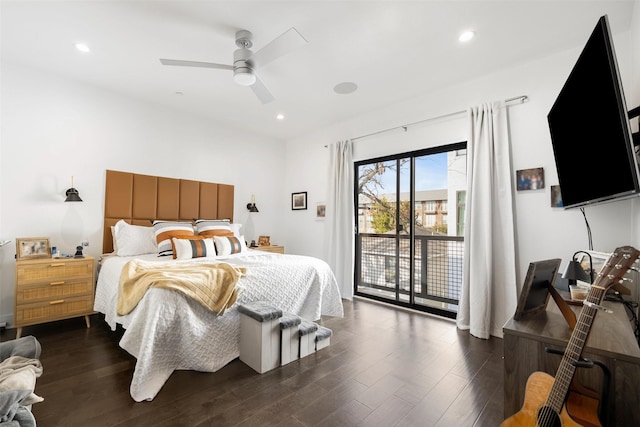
260	336
289	338
323	337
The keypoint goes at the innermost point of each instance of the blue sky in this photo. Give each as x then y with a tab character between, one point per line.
431	174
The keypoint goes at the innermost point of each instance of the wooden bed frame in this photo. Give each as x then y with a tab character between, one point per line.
140	199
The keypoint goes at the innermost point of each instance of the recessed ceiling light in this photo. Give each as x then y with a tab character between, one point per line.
466	36
82	47
345	88
280	116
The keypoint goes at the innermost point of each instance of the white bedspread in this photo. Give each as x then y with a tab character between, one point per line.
168	331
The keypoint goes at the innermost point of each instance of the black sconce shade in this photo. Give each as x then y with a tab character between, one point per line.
252	206
72	194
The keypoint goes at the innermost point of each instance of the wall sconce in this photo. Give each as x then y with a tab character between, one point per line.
574	270
72	194
252	206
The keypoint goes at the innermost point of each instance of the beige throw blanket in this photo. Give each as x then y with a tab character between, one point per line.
20	373
211	284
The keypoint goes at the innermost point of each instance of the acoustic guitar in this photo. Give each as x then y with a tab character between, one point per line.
545	396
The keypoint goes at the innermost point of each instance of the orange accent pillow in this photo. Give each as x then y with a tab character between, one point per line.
166	230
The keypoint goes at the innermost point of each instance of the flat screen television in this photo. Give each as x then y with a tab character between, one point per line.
590	129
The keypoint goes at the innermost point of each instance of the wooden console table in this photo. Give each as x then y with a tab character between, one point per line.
611	341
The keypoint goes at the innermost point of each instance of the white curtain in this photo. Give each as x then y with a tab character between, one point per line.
340	216
489	289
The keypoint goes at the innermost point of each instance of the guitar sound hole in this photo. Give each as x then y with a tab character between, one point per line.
547	417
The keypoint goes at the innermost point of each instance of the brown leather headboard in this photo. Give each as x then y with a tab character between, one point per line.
139	199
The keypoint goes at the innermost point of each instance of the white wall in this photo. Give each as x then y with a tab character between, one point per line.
542	232
53	129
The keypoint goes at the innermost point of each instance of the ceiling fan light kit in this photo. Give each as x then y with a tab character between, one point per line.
246	61
243	73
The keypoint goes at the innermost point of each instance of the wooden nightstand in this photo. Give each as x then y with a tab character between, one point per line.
271	248
49	289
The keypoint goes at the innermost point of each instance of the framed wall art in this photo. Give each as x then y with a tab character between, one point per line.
299	201
321	211
556	197
32	247
530	179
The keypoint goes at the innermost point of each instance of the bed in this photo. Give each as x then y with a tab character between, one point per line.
168	330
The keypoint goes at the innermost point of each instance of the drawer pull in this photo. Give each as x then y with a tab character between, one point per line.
61	264
59	301
57	283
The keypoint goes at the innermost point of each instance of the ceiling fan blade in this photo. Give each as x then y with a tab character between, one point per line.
261	91
195	64
278	47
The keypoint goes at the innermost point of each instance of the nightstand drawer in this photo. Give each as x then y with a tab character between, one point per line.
56	309
53	290
52	269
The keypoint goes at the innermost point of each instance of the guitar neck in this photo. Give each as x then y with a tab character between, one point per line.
574	348
612	272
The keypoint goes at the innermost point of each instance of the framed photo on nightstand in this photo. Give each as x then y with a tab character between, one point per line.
264	241
32	247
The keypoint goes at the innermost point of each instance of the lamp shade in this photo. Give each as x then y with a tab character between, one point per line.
72	195
252	205
574	271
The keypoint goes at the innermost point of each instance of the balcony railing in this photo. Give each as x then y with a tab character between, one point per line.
383	264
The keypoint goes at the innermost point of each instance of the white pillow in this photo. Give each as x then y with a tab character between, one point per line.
113	239
193	248
236	229
229	245
133	240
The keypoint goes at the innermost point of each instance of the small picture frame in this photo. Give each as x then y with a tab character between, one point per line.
530	179
556	197
32	247
598	259
534	296
321	211
264	241
299	201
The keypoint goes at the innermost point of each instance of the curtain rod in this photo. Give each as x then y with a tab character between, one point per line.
521	98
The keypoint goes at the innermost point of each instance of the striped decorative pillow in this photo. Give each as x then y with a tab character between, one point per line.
229	245
166	230
196	247
213	227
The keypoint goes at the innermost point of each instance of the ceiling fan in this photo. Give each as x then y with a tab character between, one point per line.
245	61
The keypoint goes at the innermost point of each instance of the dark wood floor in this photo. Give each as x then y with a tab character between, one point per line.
384	367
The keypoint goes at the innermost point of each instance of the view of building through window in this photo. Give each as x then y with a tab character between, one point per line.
412	206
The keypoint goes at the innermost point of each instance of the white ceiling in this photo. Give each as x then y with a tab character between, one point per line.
393	50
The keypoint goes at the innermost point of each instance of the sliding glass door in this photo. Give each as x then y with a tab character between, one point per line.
409	236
